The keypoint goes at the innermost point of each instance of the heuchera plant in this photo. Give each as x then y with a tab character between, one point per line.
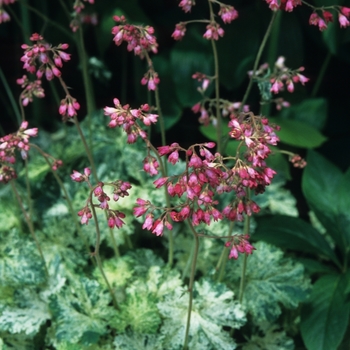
210	190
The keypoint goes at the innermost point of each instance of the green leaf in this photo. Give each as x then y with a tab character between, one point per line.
343	205
324	319
271	280
297	133
293	233
322	183
312	111
139	311
171	108
81	312
20	262
131	340
278	162
191	55
27	316
277	200
236	56
273	339
210	131
213	308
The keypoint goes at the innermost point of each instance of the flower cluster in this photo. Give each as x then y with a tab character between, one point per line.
280	77
213	30
297	161
138	38
31	88
68	107
78	5
127	118
239	244
18	141
207	174
46	57
285	5
79	17
41	58
322	17
186	5
227	13
4	16
228	108
120	190
151	79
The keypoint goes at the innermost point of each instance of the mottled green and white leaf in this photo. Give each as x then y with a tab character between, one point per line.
271	281
213	307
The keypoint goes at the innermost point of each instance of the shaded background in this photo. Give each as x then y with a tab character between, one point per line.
292	37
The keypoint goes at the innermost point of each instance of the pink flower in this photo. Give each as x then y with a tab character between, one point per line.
228	13
213	31
273	4
68	107
233	253
345	11
85	214
158	227
173	157
160	182
179	31
77	177
143	206
148	224
186	5
344	22
4	16
150	165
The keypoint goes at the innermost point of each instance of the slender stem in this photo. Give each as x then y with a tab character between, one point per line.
167	199
191	282
87	149
241	285
257	60
96	253
10	97
88	153
217	98
30	225
217	86
245	258
66	195
47	19
29	192
222	263
265	109
161	119
320	76
89	91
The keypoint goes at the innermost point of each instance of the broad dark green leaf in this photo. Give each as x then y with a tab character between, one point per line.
312	111
236	55
210	131
171	109
278	162
192	54
315	266
299	134
320	183
293	233
343	208
324	319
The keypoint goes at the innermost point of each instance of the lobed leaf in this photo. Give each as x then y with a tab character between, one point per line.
271	281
